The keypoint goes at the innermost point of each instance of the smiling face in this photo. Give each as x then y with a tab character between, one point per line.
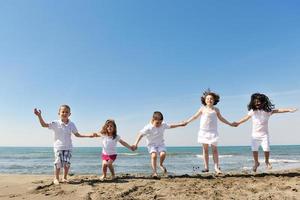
64	113
110	128
257	104
209	100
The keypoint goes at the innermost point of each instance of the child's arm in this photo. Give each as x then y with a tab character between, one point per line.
39	114
195	116
244	119
284	110
87	135
178	124
125	144
222	119
138	139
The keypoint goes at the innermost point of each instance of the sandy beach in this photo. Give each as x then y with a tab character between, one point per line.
273	185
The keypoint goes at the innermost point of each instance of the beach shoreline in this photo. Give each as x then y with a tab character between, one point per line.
283	184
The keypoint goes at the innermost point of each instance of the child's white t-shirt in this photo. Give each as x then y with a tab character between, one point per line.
109	144
260	121
62	134
154	135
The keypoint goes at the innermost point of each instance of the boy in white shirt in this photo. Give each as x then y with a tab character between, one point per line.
63	129
154	133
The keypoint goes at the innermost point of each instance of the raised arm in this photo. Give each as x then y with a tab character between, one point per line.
38	113
222	119
284	110
195	116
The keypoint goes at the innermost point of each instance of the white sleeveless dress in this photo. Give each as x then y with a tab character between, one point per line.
208	133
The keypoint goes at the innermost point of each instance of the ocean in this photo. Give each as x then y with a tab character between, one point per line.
179	160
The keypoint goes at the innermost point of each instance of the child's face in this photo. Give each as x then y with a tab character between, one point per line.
156	123
257	104
64	113
110	128
209	100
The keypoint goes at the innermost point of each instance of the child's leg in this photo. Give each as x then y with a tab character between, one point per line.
205	155
216	158
153	163
111	168
256	163
161	161
57	172
104	169
66	172
267	156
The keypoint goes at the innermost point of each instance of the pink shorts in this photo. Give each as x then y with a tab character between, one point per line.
109	157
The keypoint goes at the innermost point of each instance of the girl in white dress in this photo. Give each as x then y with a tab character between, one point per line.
208	133
260	109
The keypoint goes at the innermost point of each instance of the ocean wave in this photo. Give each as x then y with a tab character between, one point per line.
129	154
220	156
284	161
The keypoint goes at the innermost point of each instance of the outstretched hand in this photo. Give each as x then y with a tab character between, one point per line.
133	147
37	112
293	110
234	124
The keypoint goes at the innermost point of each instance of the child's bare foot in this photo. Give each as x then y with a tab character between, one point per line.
102	178
268	166
218	170
56	182
164	169
154	175
254	168
205	170
113	177
64	180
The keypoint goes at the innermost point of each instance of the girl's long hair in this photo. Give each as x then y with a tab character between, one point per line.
104	128
267	106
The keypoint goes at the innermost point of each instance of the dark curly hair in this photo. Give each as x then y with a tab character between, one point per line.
214	95
104	127
266	104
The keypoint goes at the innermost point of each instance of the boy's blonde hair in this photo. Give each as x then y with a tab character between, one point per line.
65	106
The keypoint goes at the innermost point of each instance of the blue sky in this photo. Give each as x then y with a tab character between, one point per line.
126	59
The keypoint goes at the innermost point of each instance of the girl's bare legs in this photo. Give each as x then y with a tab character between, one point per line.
111	168
104	169
267	156
256	163
205	156
153	163
162	158
216	158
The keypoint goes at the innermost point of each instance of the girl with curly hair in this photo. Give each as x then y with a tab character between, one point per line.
260	109
208	133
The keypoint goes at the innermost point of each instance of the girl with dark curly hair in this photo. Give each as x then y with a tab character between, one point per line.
208	133
260	109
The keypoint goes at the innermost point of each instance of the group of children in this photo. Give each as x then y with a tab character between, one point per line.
260	109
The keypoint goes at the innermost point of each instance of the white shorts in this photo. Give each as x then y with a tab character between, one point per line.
62	158
264	142
156	148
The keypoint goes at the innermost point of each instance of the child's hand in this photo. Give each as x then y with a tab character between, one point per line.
293	110
133	147
184	123
234	124
37	112
95	135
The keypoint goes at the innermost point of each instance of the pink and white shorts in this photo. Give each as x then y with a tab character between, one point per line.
109	157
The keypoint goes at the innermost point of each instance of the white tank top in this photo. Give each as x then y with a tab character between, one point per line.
209	121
